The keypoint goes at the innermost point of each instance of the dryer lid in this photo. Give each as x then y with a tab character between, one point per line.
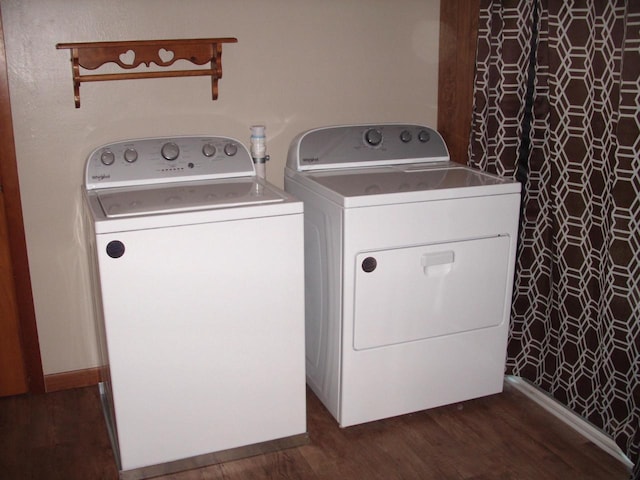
405	183
185	196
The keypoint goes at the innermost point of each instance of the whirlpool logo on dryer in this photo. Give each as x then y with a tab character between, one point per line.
311	159
102	176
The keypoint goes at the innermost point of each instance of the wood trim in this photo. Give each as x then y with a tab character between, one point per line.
13	375
15	226
458	39
569	418
74	379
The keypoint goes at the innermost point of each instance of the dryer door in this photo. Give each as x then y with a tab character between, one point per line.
409	294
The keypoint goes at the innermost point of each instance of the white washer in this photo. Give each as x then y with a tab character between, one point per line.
199	295
409	263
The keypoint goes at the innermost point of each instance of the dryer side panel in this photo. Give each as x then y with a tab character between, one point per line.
323	223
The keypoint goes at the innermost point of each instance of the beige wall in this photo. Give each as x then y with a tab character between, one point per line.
297	64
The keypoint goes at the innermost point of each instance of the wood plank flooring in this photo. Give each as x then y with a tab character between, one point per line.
502	437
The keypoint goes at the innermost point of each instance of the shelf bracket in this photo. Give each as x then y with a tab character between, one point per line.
131	54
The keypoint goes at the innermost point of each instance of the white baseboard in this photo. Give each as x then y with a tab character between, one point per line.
574	421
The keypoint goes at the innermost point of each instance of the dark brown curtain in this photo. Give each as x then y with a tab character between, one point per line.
557	105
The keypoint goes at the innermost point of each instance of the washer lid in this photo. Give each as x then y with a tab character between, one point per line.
386	185
185	196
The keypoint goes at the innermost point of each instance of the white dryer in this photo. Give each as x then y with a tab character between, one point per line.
199	295
409	264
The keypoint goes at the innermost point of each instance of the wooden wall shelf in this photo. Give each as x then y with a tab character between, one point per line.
131	54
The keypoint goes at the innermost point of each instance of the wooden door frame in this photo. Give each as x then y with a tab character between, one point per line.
15	226
457	54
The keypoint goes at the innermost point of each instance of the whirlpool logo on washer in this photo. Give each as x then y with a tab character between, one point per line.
311	160
102	176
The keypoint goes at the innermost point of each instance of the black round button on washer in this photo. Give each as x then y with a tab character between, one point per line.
115	249
369	264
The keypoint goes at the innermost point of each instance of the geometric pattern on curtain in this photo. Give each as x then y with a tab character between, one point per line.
575	326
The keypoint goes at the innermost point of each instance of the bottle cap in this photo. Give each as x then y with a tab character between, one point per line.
257	130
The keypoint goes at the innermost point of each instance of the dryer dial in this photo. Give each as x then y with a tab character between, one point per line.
373	137
424	136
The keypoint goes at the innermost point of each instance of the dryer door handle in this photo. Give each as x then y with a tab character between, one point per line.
431	260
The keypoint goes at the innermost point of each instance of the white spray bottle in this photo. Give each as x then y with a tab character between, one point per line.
259	150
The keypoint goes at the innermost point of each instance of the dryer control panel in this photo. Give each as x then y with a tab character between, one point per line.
349	146
151	161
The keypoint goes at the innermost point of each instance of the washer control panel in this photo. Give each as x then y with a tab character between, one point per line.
164	160
349	146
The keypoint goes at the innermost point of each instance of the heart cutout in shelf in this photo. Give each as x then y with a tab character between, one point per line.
165	55
128	57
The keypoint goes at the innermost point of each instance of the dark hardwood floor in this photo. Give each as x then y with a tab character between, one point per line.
62	436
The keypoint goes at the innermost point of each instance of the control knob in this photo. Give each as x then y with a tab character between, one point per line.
107	157
373	137
130	155
170	151
405	136
208	149
424	136
230	149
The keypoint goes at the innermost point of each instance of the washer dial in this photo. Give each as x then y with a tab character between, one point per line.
170	151
107	157
230	149
208	149
131	155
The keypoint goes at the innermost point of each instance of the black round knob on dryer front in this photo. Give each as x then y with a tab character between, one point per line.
369	264
115	249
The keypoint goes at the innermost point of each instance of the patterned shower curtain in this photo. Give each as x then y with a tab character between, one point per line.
557	106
